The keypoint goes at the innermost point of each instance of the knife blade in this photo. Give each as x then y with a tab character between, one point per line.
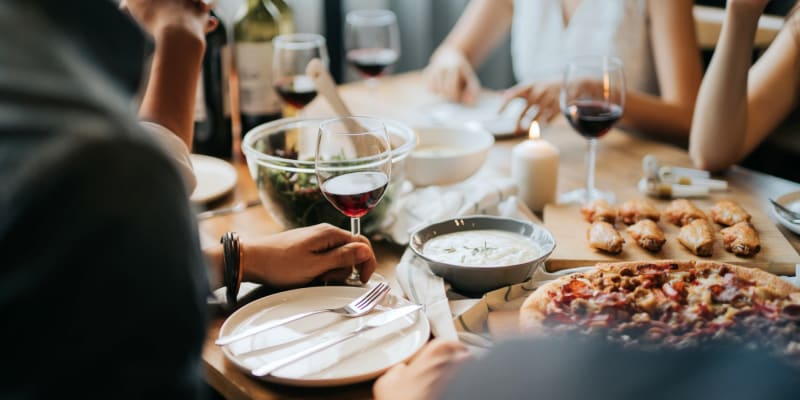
240	206
374	322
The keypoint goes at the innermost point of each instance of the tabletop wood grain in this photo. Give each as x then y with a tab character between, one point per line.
404	97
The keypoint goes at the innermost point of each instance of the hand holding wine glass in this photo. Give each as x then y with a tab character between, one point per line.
292	53
593	100
353	165
372	40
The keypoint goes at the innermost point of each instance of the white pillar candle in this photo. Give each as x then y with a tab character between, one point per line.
534	167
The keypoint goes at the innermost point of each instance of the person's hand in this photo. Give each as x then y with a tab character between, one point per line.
450	75
425	376
298	256
542	95
157	16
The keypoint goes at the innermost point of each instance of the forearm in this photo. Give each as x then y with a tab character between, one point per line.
213	255
720	118
479	28
657	117
170	94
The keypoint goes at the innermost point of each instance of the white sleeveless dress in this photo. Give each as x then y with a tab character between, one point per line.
541	44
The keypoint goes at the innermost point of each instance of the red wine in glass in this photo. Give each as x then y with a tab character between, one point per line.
296	90
356	193
372	62
592	118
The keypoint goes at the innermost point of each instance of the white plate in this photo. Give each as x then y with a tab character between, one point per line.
361	358
215	178
792	202
484	113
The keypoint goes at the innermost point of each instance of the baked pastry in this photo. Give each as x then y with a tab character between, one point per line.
603	236
681	211
727	213
636	210
647	235
698	237
599	210
741	239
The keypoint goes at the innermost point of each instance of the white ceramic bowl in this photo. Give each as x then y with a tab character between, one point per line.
447	155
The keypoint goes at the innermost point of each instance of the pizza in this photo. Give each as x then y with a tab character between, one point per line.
670	304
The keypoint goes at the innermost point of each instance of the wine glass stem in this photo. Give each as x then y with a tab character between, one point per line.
355	229
355	226
591	156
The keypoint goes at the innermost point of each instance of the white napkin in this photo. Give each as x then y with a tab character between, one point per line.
423	206
421	286
480	195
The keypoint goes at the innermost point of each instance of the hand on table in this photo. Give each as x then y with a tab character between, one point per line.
543	95
298	256
450	75
425	376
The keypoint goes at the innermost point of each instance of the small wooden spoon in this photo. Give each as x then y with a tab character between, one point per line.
326	86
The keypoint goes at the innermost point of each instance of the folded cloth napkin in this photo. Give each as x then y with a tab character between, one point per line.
421	286
481	195
423	206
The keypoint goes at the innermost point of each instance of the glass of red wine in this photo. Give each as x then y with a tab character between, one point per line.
291	55
593	100
372	40
353	163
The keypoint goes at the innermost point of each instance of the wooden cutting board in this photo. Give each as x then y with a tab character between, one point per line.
572	249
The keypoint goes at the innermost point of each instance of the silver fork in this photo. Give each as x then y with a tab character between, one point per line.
356	308
792	216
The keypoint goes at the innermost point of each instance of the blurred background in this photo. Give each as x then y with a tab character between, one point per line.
425	23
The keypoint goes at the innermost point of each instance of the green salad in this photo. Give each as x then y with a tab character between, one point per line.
296	200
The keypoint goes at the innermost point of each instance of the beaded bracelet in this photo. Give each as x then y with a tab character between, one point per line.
232	257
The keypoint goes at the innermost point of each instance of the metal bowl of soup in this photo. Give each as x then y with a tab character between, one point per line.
477	254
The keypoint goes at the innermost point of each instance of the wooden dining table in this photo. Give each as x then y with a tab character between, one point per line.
404	97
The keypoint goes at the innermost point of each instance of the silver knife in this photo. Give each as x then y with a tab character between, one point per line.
374	322
241	206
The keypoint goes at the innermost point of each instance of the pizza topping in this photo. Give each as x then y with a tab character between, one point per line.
575	289
558	318
673	293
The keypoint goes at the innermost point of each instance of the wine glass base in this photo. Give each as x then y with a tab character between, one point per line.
373	280
582	196
353	280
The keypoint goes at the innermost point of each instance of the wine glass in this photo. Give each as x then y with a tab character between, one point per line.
593	100
292	53
353	165
372	40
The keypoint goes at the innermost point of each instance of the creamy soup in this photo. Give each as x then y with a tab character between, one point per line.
481	248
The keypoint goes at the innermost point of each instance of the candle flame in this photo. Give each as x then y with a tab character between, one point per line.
534	132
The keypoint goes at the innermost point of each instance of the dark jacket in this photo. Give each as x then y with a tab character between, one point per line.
102	280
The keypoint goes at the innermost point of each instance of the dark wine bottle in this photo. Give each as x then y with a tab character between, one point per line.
212	114
253	32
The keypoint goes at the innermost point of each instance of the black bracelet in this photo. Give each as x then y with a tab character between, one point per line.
231	266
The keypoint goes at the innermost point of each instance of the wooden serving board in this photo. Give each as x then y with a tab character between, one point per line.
572	248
